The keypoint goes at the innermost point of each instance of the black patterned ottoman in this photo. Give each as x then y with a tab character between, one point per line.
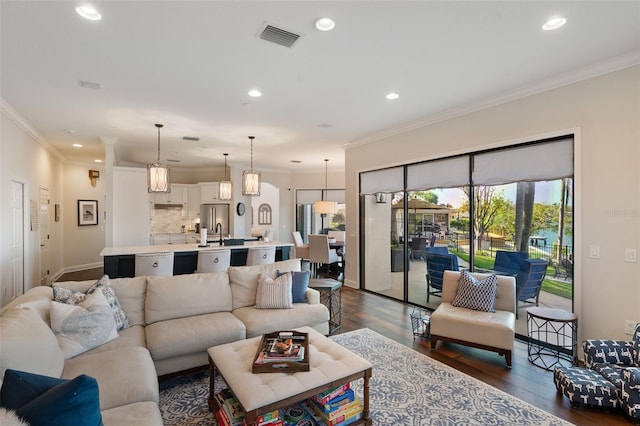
585	386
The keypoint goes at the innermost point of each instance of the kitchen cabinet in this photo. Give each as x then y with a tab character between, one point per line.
208	192
191	202
169	238
174	197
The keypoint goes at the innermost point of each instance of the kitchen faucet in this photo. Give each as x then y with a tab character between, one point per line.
219	229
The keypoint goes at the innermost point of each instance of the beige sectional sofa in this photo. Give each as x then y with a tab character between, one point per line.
172	322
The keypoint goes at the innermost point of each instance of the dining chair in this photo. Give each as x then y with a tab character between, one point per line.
320	253
436	265
213	260
261	255
418	245
154	264
302	249
529	281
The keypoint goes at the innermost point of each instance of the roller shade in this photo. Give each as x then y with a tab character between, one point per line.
308	196
544	161
386	180
449	173
336	195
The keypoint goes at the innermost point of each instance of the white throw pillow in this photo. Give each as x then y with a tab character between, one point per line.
274	294
9	418
85	326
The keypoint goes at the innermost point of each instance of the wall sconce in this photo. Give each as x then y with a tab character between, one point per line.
381	198
94	175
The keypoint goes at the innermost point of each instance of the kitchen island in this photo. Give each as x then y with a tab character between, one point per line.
119	262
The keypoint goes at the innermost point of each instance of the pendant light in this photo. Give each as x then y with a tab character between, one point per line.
225	189
251	178
323	206
158	177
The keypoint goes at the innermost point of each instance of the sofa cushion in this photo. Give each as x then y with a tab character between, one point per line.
487	328
186	295
85	326
274	294
132	336
74	297
139	414
479	295
197	333
43	400
28	344
261	321
131	294
124	375
299	285
37	299
244	279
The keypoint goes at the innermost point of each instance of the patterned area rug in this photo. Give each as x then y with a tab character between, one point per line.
407	388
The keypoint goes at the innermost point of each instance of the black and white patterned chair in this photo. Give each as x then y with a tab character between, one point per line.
611	367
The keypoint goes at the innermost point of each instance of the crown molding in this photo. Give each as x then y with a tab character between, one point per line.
25	126
595	70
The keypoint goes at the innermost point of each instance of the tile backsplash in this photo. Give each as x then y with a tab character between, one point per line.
169	221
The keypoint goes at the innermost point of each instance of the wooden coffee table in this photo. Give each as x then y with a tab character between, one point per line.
331	365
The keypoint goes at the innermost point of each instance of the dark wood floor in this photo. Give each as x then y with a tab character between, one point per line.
391	318
525	381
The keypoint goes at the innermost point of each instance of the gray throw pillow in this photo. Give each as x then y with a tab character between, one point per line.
479	295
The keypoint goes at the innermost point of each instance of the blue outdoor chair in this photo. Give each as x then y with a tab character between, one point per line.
529	280
436	265
436	250
508	262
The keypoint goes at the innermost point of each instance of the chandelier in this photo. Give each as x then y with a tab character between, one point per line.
158	178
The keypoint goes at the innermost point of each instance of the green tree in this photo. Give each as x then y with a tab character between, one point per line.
487	203
525	195
428	196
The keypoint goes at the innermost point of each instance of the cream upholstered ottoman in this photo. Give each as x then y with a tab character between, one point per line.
330	365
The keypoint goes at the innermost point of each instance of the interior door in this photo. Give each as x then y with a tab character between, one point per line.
16	251
44	236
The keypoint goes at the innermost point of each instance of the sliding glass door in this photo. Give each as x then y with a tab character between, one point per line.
514	199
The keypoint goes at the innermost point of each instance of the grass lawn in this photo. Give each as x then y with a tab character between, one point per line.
559	288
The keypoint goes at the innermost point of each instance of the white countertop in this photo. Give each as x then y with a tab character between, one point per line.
117	251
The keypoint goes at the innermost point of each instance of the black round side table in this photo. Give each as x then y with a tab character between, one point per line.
553	337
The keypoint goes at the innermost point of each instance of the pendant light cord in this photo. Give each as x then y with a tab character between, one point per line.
225	166
326	180
159	126
252	138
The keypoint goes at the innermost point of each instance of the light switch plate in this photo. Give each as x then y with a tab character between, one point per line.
594	252
630	255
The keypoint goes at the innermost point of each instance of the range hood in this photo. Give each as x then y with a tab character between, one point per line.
167	206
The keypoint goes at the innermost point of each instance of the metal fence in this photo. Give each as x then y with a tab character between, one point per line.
488	246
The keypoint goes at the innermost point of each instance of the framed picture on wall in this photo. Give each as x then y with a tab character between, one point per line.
87	212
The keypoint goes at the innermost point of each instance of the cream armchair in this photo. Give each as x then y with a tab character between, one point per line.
494	331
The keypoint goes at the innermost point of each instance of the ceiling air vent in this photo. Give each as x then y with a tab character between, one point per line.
277	35
190	138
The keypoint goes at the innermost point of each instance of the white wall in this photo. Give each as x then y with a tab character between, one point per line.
82	244
605	114
24	159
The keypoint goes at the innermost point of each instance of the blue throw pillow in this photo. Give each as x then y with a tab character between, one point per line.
299	284
42	400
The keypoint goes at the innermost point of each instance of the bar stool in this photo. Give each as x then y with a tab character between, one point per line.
213	260
155	264
261	255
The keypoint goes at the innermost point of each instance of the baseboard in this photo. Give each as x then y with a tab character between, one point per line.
75	268
351	283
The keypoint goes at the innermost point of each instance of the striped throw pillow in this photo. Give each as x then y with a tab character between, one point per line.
479	295
274	294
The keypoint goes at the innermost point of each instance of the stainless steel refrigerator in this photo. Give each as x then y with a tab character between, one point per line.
210	216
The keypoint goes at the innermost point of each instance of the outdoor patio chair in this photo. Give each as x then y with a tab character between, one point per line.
529	280
418	244
567	267
508	262
436	265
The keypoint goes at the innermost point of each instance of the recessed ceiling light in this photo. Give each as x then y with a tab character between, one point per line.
77	145
554	23
70	131
97	161
392	96
325	24
88	12
255	93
